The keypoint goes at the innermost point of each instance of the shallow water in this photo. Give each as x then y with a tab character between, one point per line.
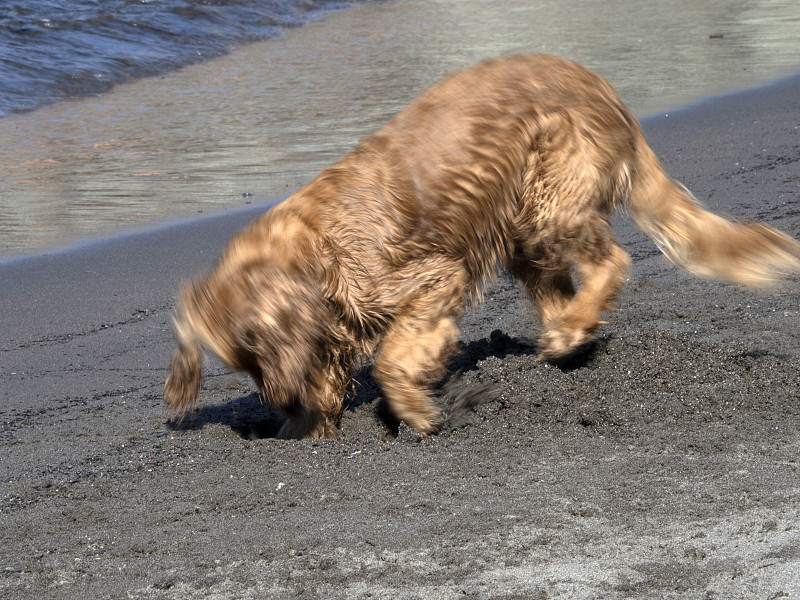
259	123
51	49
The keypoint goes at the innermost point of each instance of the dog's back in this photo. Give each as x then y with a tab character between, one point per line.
462	169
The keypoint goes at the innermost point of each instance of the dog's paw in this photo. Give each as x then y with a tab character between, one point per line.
426	425
561	342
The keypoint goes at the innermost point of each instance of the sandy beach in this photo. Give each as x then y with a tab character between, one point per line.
662	463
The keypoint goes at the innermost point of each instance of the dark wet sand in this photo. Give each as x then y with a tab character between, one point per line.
663	463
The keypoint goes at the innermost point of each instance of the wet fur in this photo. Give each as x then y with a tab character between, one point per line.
513	164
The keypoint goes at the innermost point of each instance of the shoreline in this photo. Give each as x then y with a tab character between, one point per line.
663	464
160	28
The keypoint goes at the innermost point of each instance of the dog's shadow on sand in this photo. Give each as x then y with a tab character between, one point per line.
251	418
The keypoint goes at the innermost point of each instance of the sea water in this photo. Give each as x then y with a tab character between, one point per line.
52	49
258	122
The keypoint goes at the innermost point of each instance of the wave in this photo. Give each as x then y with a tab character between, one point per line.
54	49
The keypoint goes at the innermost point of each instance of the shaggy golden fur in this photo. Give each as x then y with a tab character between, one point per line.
514	163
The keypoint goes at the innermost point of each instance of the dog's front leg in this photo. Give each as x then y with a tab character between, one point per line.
411	358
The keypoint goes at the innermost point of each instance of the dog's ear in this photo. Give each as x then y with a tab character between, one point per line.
183	383
283	333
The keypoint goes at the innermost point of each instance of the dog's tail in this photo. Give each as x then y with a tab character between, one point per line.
185	369
703	243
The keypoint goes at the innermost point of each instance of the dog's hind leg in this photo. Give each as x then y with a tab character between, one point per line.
411	358
550	287
602	267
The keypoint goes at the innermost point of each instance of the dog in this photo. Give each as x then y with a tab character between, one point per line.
512	164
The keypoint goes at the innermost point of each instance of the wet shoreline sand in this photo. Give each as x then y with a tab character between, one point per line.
662	464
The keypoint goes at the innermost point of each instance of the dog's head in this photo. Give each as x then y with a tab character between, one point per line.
278	324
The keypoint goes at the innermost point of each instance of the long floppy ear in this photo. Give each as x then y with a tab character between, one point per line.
283	335
183	383
185	369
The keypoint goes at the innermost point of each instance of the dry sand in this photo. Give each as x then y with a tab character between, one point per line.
663	463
